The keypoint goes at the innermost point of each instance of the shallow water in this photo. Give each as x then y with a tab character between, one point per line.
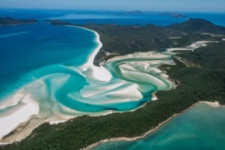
48	73
202	127
43	73
34	64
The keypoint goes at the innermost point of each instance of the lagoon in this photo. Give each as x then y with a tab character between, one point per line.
49	76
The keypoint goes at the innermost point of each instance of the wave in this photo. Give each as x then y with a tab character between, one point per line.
13	34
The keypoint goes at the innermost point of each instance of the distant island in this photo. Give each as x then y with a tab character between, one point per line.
139	12
135	12
175	15
8	21
199	74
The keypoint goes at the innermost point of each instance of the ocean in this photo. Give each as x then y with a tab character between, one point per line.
47	71
28	47
114	17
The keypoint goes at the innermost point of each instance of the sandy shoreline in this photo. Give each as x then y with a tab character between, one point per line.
92	73
96	74
192	47
89	70
29	108
211	104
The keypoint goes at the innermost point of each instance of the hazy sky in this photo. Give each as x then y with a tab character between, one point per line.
160	5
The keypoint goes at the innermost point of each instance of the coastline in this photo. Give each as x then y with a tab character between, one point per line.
96	72
89	65
95	75
144	128
215	104
151	131
91	58
28	113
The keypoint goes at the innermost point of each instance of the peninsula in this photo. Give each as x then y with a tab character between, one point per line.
202	61
8	21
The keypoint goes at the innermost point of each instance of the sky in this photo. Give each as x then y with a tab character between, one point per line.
146	5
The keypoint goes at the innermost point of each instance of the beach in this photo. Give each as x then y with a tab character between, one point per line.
192	47
29	110
120	80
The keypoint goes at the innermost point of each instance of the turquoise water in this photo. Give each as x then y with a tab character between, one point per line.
33	52
26	48
44	72
200	128
47	72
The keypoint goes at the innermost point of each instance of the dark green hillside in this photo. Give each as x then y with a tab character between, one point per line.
198	25
120	40
211	57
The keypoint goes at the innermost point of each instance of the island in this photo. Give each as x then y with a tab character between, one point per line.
8	21
199	74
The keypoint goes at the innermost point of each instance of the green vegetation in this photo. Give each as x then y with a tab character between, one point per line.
211	57
205	83
120	40
7	21
198	26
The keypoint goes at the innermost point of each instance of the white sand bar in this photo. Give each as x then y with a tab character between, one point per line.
192	47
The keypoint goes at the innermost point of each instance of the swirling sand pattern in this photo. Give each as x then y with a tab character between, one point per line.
63	91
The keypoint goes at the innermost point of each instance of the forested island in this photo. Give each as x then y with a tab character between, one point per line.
8	21
204	80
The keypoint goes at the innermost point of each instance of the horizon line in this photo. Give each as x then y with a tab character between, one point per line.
125	10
